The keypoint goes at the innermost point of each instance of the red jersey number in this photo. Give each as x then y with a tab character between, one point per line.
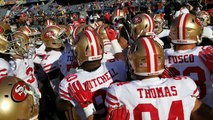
29	72
200	82
154	114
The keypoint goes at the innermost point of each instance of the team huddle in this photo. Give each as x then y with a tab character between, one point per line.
111	69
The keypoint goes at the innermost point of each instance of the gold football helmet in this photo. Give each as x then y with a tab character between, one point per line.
186	29
159	23
4	28
89	47
33	34
20	44
204	17
146	57
118	14
142	25
81	28
17	101
52	36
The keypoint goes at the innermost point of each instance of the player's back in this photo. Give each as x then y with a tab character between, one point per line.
188	63
155	98
97	81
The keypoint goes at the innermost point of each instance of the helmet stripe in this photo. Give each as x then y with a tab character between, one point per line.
151	22
97	44
184	26
147	54
155	54
178	28
181	25
151	54
117	12
74	32
93	43
48	22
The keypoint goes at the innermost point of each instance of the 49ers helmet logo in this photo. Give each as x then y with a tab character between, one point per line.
19	91
49	34
136	20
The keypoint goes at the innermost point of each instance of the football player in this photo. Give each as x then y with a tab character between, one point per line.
187	58
5	68
53	48
160	30
148	96
86	88
22	63
56	62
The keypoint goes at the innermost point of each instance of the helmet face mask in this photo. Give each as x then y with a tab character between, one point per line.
33	34
186	29
146	57
204	17
21	44
159	23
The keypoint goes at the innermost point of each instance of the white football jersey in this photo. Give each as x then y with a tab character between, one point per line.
39	54
188	63
107	56
50	61
5	69
154	98
98	81
24	69
164	33
207	32
67	63
49	64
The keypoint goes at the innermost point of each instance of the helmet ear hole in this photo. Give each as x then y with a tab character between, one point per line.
146	26
6	96
87	50
193	20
